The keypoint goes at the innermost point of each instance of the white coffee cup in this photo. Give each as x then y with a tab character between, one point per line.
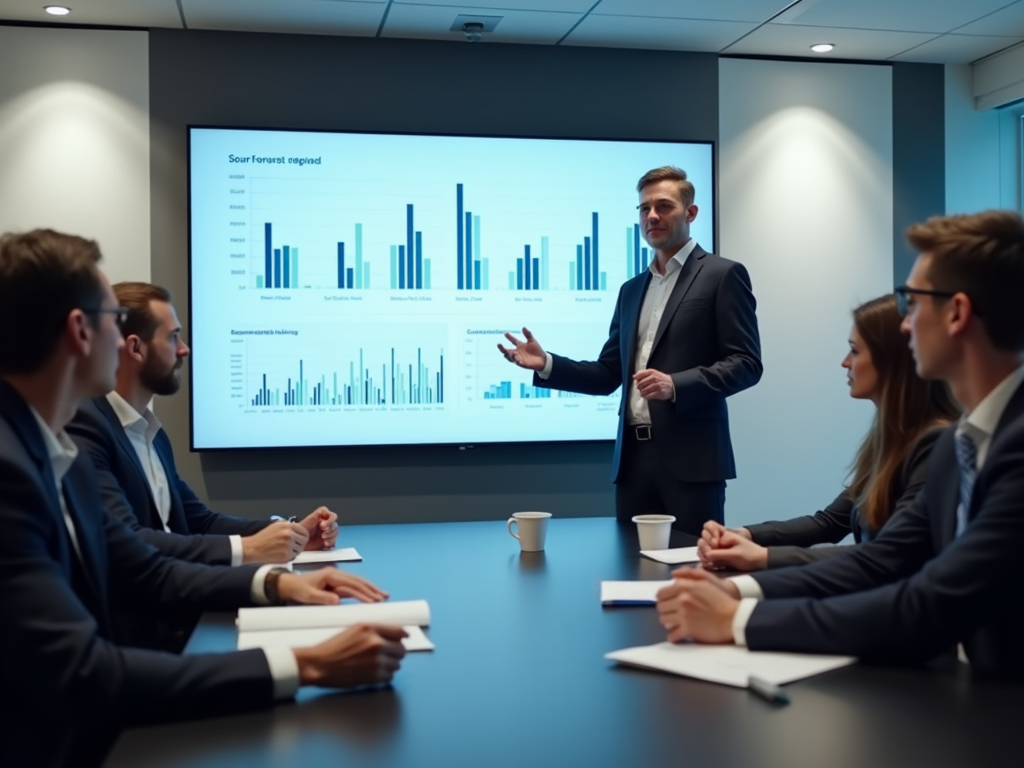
532	529
654	530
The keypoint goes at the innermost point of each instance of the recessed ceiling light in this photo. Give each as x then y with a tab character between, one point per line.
822	47
57	10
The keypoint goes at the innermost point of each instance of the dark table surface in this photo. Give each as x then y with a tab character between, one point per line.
519	679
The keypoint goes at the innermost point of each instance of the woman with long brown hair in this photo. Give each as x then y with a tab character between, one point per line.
889	468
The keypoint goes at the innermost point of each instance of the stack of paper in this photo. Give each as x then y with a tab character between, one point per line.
346	555
672	556
631	592
303	625
728	664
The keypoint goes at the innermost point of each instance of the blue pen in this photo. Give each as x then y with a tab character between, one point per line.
767	691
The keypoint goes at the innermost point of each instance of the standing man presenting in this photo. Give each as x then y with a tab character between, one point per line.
682	339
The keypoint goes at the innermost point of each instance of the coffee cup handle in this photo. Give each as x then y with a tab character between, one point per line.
509	526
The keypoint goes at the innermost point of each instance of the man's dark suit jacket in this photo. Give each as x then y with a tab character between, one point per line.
917	590
69	689
789	542
707	340
198	534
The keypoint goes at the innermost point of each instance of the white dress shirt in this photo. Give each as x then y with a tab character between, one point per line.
651	311
141	430
980	423
284	669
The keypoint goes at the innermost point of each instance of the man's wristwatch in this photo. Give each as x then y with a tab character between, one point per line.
270	587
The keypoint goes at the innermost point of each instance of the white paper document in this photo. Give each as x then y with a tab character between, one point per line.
346	555
301	638
727	664
631	592
672	556
300	625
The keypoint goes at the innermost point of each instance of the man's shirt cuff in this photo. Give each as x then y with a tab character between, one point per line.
236	550
748	587
284	669
740	619
549	363
258	591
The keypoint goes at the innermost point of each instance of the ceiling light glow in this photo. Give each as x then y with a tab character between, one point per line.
57	10
822	47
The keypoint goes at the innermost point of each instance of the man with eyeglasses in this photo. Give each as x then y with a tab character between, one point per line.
66	566
683	338
946	571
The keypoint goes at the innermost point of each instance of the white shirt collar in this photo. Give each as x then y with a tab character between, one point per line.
676	262
145	424
59	448
985	417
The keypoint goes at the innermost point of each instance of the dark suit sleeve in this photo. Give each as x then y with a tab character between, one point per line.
93	437
912	605
56	659
739	347
599	377
200	518
914	472
831	525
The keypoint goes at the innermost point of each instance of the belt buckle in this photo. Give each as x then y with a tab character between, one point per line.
643	432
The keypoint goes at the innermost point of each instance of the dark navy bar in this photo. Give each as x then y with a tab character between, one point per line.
519	274
594	280
287	266
586	262
267	281
527	269
636	248
410	250
401	267
419	259
458	218
277	268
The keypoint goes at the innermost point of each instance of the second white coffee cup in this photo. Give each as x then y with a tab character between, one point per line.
531	529
654	530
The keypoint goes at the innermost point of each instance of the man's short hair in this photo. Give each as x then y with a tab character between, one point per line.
669	173
135	297
44	275
982	255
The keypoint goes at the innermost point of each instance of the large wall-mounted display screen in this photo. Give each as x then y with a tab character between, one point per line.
350	288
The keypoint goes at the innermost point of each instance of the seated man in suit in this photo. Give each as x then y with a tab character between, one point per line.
65	564
945	571
135	463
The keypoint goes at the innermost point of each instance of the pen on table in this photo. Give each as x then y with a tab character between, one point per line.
767	691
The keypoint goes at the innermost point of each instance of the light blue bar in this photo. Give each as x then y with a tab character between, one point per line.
394	267
426	274
544	263
485	278
572	275
604	281
511	281
366	275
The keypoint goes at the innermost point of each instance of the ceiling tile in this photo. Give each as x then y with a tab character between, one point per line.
793	40
665	34
957	49
314	17
434	22
138	13
1007	21
896	15
721	10
556	6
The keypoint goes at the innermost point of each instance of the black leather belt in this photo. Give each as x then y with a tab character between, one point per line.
642	431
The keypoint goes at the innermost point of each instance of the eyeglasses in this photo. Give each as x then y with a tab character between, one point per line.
904	292
120	314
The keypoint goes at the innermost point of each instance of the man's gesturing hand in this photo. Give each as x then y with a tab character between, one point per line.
526	354
697	606
279	542
322	526
326	587
361	655
654	385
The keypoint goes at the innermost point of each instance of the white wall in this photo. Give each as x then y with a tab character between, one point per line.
74	139
983	149
805	196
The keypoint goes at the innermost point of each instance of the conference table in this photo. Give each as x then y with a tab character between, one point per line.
518	678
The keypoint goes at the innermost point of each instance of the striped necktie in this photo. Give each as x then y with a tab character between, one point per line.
967	458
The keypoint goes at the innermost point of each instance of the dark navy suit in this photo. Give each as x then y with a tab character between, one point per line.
917	589
68	686
197	533
707	340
